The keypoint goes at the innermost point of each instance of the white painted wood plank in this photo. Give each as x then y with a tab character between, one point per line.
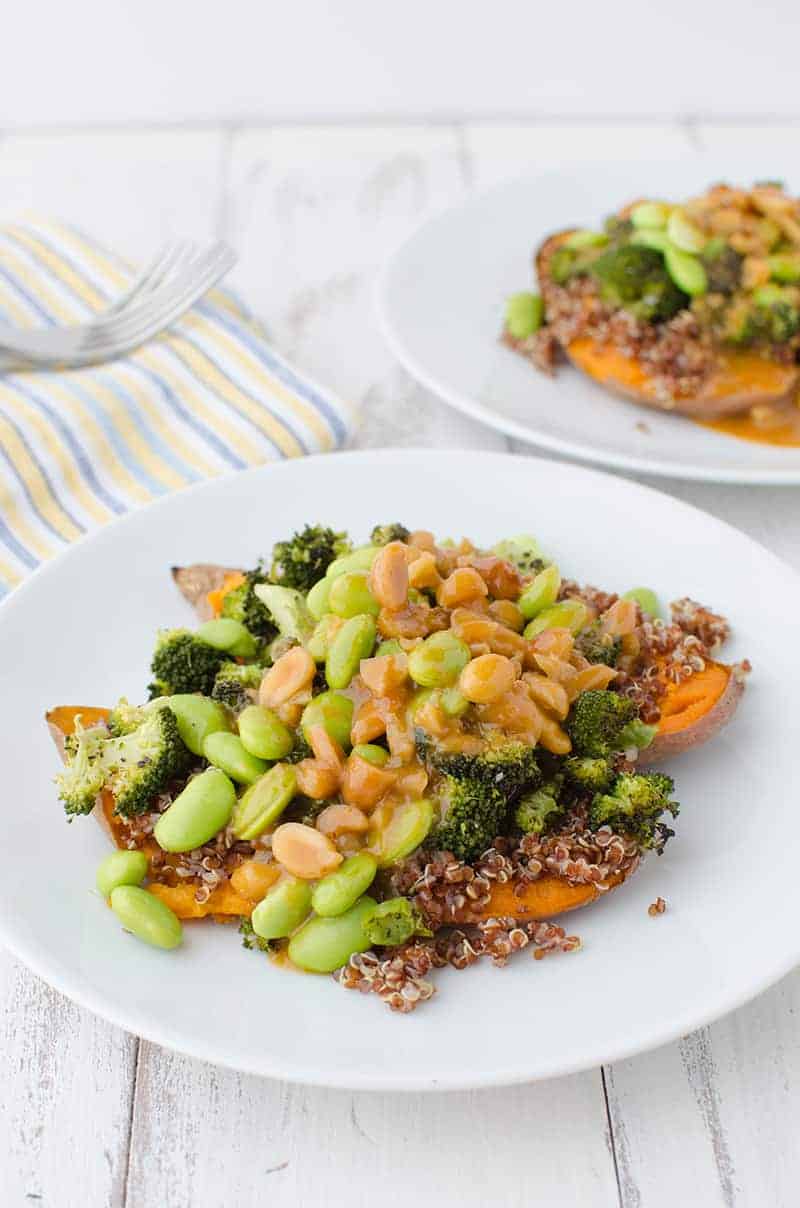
211	1137
130	190
67	1080
314	211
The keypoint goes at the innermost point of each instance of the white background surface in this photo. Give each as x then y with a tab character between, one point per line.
90	1116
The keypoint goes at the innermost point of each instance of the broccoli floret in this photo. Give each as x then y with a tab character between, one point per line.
476	793
597	720
723	267
250	940
140	765
597	646
540	809
779	321
301	561
83	775
634	805
393	922
135	767
637	734
235	682
183	663
300	750
585	772
634	277
382	534
242	604
124	718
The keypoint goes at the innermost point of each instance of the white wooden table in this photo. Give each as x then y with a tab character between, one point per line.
90	1116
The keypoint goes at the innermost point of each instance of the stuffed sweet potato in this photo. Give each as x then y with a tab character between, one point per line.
438	745
693	309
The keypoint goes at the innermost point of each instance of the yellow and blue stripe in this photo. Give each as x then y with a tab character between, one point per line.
80	447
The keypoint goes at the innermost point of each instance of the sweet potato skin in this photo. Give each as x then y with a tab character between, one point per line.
694	712
741	380
195	582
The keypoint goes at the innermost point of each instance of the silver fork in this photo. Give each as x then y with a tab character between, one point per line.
171	284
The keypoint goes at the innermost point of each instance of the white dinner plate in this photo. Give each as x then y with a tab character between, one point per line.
441	301
81	631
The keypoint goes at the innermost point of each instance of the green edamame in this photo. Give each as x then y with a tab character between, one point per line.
584	238
263	733
350	595
319	643
524	315
784	268
263	803
540	593
569	614
322	945
454	703
654	237
377	756
439	660
282	909
360	559
120	868
228	752
334	712
224	633
407	828
646	599
197	717
146	916
390	646
650	214
317	598
686	271
351	644
338	891
198	813
683	233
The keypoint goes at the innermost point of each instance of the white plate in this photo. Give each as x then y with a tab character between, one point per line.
441	299
81	632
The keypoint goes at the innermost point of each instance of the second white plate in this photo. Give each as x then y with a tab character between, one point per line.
441	300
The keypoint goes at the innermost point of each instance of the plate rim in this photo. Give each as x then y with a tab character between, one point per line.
467	405
129	1017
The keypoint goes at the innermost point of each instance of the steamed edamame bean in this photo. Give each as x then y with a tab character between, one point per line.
360	559
146	916
325	629
390	646
263	803
223	633
646	599
683	233
350	595
568	614
282	909
228	752
120	868
650	215
197	717
322	945
198	813
524	315
407	826
653	237
317	598
353	642
540	593
439	660
584	238
453	701
377	756
263	733
337	892
686	271
334	712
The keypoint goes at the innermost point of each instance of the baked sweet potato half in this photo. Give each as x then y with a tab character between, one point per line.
691	308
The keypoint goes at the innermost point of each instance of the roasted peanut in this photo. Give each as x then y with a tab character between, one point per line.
423	572
363	784
338	819
253	878
385	673
293	671
316	779
326	748
487	678
507	613
304	851
460	587
389	576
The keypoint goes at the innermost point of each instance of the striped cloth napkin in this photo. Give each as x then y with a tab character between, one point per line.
79	447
